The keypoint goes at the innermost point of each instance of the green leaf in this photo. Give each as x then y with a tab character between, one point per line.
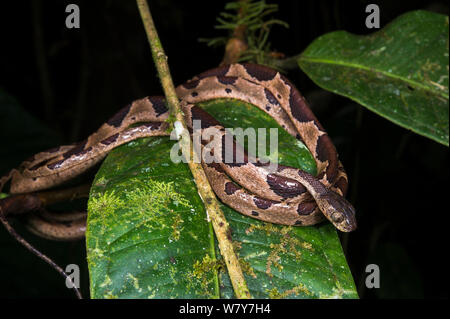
148	235
146	226
399	72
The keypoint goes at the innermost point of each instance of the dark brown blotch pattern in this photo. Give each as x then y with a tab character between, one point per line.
270	97
76	150
286	188
191	84
206	120
234	162
159	104
217	167
342	184
54	165
322	147
220	72
262	203
230	187
306	208
110	140
117	119
227	80
153	125
259	72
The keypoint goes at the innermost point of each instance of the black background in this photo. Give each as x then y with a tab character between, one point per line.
397	179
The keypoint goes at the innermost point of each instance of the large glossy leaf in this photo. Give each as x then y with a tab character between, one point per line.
399	72
148	235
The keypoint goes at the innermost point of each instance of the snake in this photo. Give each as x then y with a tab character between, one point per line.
284	195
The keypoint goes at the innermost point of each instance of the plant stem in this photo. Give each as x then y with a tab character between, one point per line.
220	225
236	45
36	252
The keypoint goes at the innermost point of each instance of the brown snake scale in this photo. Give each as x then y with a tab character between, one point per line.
287	196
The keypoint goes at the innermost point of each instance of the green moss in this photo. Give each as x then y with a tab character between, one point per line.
247	267
135	281
103	206
176	227
150	201
109	295
154	197
288	244
203	271
300	288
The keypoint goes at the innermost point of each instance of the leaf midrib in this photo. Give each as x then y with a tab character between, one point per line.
375	70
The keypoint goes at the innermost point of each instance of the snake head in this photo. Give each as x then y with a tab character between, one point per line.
338	211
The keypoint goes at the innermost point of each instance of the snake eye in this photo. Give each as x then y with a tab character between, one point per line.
337	217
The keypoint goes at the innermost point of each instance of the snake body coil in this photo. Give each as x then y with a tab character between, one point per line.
286	196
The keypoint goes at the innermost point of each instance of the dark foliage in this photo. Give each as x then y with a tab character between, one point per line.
397	179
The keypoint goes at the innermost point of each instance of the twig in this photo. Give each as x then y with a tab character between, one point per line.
23	203
237	44
250	30
220	225
36	252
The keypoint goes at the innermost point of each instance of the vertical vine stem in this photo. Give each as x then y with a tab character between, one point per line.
220	225
237	44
